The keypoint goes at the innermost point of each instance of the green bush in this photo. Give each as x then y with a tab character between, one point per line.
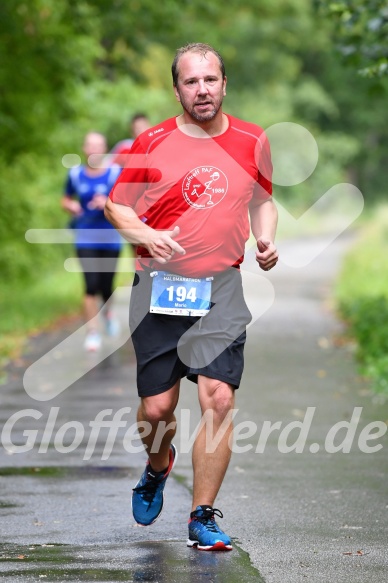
367	319
362	298
29	197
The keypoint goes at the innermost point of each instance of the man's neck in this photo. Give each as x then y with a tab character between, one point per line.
197	129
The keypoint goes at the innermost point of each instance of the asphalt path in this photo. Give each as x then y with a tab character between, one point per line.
317	514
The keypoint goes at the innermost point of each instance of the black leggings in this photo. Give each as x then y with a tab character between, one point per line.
95	263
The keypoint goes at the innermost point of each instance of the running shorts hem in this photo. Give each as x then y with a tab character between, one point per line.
158	390
192	376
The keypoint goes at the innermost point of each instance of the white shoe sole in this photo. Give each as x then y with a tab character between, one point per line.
219	546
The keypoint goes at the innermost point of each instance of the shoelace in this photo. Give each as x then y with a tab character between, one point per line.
208	520
148	490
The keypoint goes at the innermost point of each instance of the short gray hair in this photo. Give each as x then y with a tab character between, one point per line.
200	48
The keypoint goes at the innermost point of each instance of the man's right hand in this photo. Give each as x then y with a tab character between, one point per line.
161	244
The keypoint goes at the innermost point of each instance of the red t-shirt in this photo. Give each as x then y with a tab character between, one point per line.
119	153
203	185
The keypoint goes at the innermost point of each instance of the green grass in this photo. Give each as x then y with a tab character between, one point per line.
32	306
362	298
29	307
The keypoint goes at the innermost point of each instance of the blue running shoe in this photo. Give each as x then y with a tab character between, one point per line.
147	496
204	532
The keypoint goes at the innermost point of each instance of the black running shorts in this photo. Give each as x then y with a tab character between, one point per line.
97	279
170	347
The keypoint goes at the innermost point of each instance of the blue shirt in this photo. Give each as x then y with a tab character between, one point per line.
83	186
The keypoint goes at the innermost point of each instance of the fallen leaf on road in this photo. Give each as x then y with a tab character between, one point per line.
323	342
298	413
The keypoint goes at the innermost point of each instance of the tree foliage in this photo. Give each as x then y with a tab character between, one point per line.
46	48
68	66
361	33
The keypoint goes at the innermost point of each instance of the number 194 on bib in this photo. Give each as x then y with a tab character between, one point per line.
180	296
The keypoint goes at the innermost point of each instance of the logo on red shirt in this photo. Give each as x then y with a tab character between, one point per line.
204	187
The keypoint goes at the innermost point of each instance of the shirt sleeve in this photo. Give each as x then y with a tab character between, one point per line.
263	187
132	181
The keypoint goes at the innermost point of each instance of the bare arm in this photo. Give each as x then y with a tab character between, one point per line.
264	218
160	244
71	206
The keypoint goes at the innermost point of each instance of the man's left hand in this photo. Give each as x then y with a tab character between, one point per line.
266	255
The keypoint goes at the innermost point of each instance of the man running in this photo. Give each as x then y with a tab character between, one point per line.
187	314
139	123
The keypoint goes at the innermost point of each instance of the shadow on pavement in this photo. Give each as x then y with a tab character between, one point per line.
159	562
67	523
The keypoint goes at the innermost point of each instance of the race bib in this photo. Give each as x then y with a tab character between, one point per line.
180	296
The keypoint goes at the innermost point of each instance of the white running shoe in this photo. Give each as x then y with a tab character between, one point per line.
112	326
92	341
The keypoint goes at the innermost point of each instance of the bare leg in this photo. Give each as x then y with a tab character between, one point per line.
90	311
154	410
210	466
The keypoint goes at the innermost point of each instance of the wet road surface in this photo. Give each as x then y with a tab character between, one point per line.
317	515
